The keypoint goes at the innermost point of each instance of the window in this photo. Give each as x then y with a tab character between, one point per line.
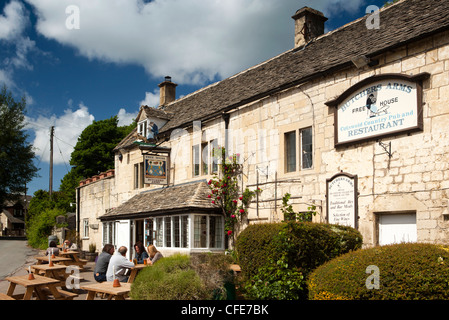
203	159
214	158
159	233
208	232
215	232
196	160
139	175
86	228
168	231
290	147
306	148
109	233
142	128
304	151
175	231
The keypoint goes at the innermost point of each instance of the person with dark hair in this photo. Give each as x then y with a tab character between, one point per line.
101	267
52	249
141	253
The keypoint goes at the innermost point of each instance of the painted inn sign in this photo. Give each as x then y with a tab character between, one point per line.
377	106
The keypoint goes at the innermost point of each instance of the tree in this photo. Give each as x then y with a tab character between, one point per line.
93	154
16	154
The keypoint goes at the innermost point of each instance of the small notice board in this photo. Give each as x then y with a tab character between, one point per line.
341	200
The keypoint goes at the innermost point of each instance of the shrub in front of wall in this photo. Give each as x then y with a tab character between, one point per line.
276	258
171	278
406	271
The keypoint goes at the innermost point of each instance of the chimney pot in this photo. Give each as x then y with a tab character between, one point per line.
167	91
309	24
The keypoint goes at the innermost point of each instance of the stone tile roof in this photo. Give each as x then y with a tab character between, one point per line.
400	23
181	198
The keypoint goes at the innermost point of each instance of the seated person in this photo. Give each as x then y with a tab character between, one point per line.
141	253
120	265
52	249
101	267
154	254
70	246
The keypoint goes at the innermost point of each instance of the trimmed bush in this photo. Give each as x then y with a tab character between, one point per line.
407	271
171	278
183	277
276	258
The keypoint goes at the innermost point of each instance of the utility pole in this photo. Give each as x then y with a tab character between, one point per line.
52	131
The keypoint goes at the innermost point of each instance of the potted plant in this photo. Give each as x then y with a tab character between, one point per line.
91	254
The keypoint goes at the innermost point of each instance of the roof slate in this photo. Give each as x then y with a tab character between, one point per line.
400	23
182	197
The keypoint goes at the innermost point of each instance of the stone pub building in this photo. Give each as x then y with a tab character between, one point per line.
354	121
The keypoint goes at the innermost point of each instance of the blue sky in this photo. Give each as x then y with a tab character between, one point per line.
82	60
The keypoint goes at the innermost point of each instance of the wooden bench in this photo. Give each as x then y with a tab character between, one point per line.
5	297
66	295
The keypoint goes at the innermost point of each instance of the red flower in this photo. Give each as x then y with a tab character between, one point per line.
218	198
241	198
242	211
233	216
209	196
210	181
229	232
213	201
235	201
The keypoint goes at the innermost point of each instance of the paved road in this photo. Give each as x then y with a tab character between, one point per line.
13	255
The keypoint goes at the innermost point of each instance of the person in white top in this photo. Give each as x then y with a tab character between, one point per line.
120	265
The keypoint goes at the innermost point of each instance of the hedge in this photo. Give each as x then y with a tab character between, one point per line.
271	253
406	271
184	277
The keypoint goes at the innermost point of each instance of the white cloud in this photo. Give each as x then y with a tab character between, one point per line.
193	41
13	21
125	118
152	99
68	127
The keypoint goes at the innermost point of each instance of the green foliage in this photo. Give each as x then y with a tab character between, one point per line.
93	153
41	227
171	278
184	277
225	191
276	281
407	271
272	253
41	219
16	154
289	214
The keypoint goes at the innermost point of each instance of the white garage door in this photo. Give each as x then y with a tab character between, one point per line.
397	228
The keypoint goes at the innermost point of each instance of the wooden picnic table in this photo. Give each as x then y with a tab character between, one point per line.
134	271
57	259
74	257
106	287
57	271
42	286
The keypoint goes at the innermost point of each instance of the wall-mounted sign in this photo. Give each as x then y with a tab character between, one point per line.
156	169
378	106
341	199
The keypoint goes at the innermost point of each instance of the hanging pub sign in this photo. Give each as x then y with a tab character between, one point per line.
377	106
156	169
341	200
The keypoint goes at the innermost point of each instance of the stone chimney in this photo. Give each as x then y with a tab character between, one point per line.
309	24
167	91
